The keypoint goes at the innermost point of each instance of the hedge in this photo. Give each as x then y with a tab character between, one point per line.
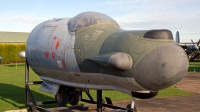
10	52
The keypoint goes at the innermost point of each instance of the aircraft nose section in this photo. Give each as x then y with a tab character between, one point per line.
162	67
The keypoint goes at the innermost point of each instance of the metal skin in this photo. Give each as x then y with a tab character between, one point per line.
103	56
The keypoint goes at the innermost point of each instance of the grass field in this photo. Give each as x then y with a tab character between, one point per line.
194	66
12	92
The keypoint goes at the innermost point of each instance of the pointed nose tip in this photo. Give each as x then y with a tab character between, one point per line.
162	67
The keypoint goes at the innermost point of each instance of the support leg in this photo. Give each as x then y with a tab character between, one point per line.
132	107
89	96
133	103
99	100
26	82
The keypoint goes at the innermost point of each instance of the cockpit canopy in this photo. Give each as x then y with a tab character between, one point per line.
86	19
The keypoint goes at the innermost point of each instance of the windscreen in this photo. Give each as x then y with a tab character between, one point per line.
86	19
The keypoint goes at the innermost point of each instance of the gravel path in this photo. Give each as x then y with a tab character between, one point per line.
190	83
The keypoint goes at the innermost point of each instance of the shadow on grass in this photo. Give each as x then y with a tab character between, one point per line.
15	95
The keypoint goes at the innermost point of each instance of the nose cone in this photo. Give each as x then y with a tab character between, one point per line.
162	67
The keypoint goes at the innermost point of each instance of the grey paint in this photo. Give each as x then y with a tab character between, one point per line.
162	67
104	56
121	61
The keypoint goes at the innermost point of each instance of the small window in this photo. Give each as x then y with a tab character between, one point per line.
86	19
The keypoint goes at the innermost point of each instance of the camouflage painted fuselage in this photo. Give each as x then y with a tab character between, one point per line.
104	56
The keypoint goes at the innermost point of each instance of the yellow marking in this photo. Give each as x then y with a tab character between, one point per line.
96	34
72	61
68	48
86	37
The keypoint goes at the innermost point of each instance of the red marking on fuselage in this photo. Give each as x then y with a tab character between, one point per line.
47	54
53	55
64	64
54	38
57	44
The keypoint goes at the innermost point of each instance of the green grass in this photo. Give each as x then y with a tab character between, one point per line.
194	66
12	92
172	91
12	84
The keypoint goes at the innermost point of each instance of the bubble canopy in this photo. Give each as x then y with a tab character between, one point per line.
86	19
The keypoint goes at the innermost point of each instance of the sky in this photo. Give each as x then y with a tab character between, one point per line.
174	15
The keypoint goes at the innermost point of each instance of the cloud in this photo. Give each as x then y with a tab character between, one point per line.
184	22
24	23
155	6
169	20
181	15
24	20
119	3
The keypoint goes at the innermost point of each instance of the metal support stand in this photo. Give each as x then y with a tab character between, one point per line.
99	100
33	105
133	103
